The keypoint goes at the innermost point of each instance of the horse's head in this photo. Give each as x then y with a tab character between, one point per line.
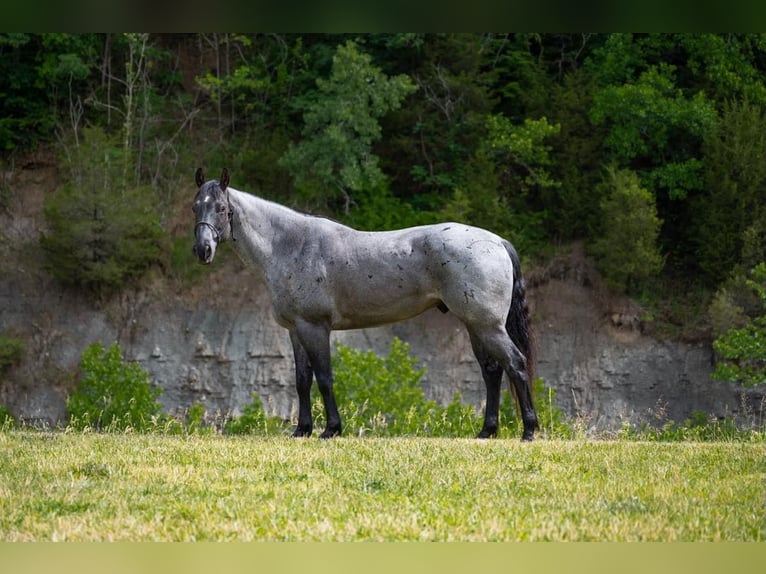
212	215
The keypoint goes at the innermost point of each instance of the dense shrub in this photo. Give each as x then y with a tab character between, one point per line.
102	230
112	394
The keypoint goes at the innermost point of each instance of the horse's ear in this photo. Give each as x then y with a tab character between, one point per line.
199	177
224	181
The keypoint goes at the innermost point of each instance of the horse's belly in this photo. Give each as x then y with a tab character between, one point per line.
380	309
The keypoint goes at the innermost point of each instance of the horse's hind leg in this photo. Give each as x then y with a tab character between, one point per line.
497	344
315	341
493	376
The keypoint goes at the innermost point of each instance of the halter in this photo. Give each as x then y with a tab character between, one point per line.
216	232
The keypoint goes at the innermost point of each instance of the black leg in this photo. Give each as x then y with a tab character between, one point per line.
497	353
304	375
492	373
519	376
315	340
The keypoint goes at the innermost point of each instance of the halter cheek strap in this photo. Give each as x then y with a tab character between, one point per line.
214	229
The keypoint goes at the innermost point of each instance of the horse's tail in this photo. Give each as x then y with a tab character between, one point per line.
518	323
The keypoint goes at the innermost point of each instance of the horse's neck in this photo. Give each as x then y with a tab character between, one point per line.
259	226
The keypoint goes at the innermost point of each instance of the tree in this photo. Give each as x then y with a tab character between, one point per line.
101	231
25	114
627	252
505	178
334	161
576	158
735	189
653	124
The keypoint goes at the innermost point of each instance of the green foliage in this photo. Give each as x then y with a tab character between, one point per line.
507	178
431	140
6	418
11	350
254	420
725	313
506	131
726	65
101	231
627	251
195	419
25	115
576	158
732	205
257	91
381	395
522	150
112	394
742	350
334	161
653	121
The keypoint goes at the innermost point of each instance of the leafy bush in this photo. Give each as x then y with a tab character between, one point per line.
102	231
254	420
112	394
743	350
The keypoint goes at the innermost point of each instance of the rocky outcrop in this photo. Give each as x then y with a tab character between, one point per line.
602	370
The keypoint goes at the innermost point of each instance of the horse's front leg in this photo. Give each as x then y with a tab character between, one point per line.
315	341
304	375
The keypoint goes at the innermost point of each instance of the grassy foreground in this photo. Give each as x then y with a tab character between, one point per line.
71	486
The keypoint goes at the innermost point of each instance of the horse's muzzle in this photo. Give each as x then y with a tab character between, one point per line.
204	251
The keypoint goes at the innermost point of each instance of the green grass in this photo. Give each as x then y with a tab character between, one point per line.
75	486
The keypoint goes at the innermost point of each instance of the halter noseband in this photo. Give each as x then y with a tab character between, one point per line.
216	232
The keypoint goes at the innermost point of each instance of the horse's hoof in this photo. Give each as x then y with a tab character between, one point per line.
300	432
330	433
527	437
486	434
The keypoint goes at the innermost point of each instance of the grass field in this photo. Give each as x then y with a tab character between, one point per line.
74	486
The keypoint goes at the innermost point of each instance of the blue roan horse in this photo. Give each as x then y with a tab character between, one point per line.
322	275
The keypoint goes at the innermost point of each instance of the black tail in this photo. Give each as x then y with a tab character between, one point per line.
518	324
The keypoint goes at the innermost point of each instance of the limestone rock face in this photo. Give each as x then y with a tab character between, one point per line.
219	356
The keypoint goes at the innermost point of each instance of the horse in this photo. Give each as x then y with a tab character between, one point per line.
322	275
